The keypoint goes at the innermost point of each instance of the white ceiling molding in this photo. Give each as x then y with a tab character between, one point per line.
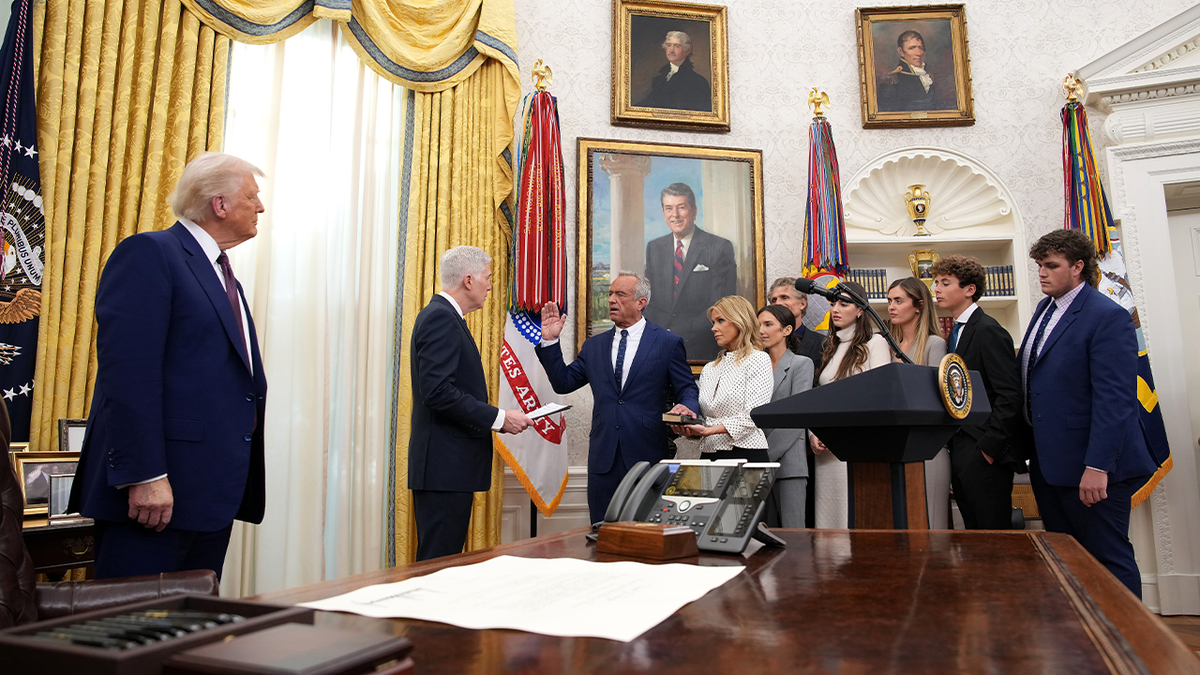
1151	84
964	193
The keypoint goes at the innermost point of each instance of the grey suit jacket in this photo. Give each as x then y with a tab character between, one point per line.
793	374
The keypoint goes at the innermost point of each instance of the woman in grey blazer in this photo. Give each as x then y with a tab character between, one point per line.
793	374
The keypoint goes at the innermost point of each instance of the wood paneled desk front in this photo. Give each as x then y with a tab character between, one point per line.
834	601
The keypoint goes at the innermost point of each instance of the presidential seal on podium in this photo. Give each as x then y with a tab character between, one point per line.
954	384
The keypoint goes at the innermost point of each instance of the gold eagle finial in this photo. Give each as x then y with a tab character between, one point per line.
543	78
816	99
1072	88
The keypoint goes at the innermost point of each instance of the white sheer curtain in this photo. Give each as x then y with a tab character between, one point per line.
321	280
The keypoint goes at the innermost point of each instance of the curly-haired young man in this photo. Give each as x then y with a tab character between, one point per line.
982	458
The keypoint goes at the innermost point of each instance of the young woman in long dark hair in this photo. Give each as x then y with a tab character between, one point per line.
792	374
852	347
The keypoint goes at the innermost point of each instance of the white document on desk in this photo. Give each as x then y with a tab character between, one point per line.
559	596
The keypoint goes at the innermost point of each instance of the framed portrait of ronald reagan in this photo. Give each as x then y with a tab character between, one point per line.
914	69
670	66
688	218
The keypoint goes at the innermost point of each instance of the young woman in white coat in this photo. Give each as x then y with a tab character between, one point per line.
852	347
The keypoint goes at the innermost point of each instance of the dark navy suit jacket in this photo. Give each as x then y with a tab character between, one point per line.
174	391
631	416
450	446
1083	392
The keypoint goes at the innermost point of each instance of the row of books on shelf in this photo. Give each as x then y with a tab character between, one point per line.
999	281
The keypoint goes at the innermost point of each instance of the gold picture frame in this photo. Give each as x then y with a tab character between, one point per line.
895	93
727	188
646	90
33	471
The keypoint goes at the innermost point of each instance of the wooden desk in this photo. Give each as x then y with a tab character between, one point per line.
858	601
58	547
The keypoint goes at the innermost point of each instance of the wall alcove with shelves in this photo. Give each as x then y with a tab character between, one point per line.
971	212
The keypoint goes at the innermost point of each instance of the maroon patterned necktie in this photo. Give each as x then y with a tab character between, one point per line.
678	265
231	290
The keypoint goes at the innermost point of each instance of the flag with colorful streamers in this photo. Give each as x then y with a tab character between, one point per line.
538	260
1087	211
825	259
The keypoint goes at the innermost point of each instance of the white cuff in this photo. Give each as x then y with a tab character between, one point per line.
547	343
142	482
1095	469
496	426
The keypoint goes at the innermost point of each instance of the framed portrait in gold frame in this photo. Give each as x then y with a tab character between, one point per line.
670	65
34	470
914	68
636	200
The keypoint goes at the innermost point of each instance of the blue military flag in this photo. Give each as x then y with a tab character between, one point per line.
22	222
1087	211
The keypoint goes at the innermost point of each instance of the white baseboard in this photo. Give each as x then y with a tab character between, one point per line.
572	511
1174	593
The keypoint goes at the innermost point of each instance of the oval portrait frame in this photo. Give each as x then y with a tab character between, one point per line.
954	384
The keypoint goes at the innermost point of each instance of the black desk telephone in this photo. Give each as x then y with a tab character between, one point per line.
721	500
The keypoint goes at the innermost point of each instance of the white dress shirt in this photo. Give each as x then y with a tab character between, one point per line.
212	251
962	319
674	69
454	303
632	340
687	244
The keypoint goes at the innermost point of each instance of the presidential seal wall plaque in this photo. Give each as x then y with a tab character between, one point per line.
954	383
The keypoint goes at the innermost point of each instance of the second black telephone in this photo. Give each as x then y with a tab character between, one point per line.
722	501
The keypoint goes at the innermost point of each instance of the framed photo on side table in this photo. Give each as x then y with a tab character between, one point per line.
34	470
670	65
914	69
70	434
639	202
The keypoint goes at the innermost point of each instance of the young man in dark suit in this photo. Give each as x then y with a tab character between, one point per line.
173	451
635	370
1079	365
450	448
688	270
982	458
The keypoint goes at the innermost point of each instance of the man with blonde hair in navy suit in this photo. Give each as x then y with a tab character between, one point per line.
173	452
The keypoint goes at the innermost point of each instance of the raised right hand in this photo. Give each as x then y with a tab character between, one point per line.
552	322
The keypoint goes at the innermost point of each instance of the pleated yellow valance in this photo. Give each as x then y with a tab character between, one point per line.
426	45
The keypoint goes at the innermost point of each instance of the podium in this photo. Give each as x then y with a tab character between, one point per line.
884	423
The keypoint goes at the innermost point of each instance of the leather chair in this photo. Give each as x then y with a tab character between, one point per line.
23	600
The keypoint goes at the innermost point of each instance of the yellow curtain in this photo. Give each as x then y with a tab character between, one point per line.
459	187
127	93
422	45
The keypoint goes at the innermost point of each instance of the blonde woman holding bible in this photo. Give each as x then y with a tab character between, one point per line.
731	385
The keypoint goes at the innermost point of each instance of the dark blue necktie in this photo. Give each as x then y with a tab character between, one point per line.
621	357
1033	355
954	332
